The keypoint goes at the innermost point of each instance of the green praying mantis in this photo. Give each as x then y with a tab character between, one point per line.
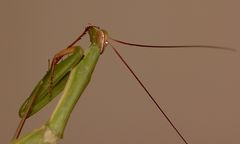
71	76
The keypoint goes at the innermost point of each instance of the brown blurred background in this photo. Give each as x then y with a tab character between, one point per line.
198	88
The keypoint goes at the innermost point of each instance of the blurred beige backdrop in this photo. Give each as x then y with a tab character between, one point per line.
198	88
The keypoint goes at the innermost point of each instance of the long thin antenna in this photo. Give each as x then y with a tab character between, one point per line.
150	96
174	46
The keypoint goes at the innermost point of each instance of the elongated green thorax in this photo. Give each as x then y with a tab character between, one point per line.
77	82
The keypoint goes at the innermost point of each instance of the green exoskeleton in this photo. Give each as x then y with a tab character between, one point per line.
71	76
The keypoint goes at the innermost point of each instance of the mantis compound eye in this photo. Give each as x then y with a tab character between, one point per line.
105	40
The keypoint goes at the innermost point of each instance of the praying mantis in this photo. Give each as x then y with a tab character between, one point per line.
72	76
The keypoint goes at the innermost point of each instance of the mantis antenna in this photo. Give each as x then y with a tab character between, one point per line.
143	86
148	93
